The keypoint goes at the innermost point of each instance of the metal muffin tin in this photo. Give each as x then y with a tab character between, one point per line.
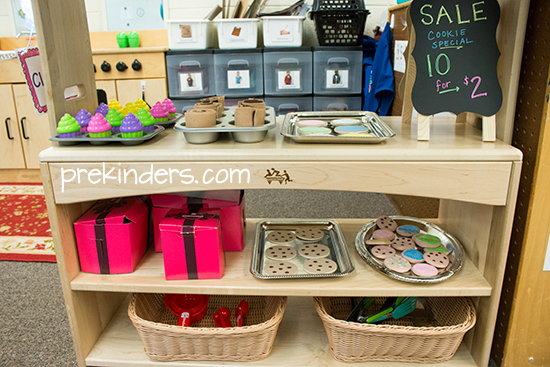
374	124
333	239
227	124
451	244
170	121
85	138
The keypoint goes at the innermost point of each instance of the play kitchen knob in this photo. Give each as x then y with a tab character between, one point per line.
121	66
105	66
136	65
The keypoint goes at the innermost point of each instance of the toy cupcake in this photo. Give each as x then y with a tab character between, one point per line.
115	119
131	127
141	104
146	119
125	111
159	112
68	127
115	104
99	127
83	117
102	109
169	105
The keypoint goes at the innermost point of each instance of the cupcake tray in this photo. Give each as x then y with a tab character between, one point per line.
170	121
263	266
85	138
376	127
227	124
453	246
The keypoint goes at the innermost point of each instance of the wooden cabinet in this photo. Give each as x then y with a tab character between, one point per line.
11	150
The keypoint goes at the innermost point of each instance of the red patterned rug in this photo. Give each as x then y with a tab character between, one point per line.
25	233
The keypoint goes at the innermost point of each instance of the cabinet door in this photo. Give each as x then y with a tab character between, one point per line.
35	130
109	87
11	151
130	90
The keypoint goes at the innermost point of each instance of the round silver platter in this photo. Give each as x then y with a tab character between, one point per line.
451	244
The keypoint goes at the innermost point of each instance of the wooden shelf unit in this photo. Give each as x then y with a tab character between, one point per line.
477	183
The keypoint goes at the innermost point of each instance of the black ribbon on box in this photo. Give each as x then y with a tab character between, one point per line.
189	220
195	204
103	209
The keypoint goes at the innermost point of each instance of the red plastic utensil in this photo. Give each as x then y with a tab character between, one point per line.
240	312
188	308
217	320
225	315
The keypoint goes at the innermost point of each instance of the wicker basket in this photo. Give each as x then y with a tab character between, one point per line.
396	340
165	341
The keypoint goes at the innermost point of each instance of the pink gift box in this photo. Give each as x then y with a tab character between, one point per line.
112	236
192	245
230	202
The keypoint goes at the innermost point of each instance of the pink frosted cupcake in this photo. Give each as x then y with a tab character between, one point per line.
99	127
169	105
159	112
102	109
83	117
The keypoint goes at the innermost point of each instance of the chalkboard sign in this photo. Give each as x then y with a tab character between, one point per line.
456	56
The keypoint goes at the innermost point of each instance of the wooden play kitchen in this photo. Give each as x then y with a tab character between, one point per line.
476	182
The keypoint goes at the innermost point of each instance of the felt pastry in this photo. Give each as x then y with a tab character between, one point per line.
280	268
436	259
200	118
424	270
314	251
350	129
397	263
311	123
314	130
402	243
385	222
426	240
380	234
407	230
309	233
320	266
414	256
281	237
209	105
382	252
280	252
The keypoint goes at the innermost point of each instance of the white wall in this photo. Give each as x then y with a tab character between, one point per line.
184	9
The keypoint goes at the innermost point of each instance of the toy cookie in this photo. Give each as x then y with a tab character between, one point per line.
424	270
281	268
436	259
314	251
311	123
403	244
282	237
382	241
385	222
407	230
320	266
280	253
383	234
414	256
382	252
309	234
426	240
439	248
397	263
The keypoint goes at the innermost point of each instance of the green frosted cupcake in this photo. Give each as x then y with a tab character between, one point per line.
115	119
68	127
147	120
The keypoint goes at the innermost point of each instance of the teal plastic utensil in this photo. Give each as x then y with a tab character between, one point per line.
403	309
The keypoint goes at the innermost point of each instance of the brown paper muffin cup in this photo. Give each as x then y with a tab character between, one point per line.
251	102
210	106
200	118
244	116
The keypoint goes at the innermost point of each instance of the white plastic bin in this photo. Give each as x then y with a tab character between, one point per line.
237	33
283	31
190	34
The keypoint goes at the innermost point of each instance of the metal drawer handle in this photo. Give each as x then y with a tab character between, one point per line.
23	128
8	128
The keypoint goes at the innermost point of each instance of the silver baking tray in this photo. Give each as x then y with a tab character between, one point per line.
114	138
226	124
452	245
374	124
333	239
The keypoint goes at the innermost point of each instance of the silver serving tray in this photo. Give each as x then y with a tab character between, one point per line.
333	239
451	244
374	124
227	124
114	138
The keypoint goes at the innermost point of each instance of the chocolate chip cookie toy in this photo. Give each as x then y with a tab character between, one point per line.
281	268
382	252
403	244
385	222
280	253
314	251
436	259
309	234
320	266
283	237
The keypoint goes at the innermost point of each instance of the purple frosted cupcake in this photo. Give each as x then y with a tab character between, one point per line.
102	109
68	127
131	127
83	117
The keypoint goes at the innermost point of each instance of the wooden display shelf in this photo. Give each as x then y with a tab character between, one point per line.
149	277
301	342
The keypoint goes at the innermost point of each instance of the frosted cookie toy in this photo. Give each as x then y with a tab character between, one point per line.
281	268
383	234
436	259
426	240
280	253
343	122
311	123
353	129
314	251
283	237
439	248
424	270
414	256
398	264
382	252
309	234
407	230
320	266
381	241
403	244
314	130
385	222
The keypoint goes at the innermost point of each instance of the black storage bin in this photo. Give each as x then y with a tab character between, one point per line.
339	22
